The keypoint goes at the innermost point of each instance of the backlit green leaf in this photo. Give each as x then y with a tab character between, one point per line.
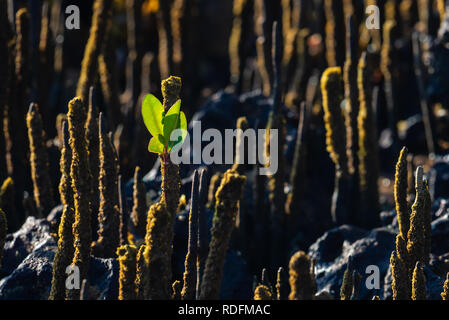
156	146
171	120
152	113
182	125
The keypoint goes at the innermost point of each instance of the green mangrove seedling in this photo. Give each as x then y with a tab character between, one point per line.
162	124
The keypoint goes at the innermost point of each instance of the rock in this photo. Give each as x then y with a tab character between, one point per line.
28	264
327	248
333	249
22	242
54	217
440	235
31	280
103	278
441	182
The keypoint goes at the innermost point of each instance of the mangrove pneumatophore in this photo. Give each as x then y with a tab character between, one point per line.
368	154
109	212
40	171
419	283
302	277
81	185
332	92
445	293
64	255
262	292
93	145
226	209
190	264
94	46
139	211
127	255
8	206
157	254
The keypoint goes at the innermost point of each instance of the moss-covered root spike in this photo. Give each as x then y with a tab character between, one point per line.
226	210
214	183
171	88
348	284
400	284
81	185
332	92
264	278
302	277
368	154
40	167
64	255
356	281
427	224
124	212
7	203
416	238
239	162
5	79
93	145
3	230
445	293
351	93
65	183
139	212
263	45
262	292
176	290
16	122
203	241
400	194
298	172
127	257
94	47
281	285
165	38
158	252
141	274
189	283
419	283
237	42
109	213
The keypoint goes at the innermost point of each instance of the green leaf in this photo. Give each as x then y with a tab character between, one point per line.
182	125
152	113
156	146
171	120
